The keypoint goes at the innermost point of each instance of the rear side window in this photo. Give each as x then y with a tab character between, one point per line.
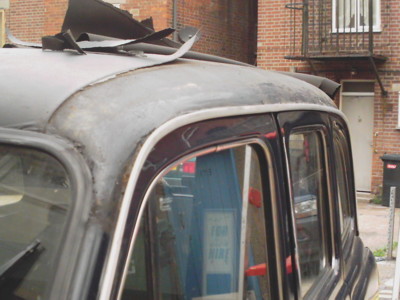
342	164
307	166
35	197
205	227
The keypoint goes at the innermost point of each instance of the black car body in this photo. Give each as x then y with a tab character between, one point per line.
160	177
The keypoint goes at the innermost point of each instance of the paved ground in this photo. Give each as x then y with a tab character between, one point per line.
373	221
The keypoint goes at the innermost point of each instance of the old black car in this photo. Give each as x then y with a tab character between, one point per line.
159	173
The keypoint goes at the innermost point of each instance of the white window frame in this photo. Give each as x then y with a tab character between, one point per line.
358	28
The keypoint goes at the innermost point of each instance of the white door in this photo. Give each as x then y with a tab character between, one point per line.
360	113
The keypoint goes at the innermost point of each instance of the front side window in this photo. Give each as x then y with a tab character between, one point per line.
353	15
205	227
307	167
35	197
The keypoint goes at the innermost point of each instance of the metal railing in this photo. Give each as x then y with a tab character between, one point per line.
332	27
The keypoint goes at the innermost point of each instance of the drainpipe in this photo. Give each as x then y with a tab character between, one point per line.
175	18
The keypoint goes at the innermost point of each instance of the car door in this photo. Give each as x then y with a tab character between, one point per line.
359	267
307	142
207	218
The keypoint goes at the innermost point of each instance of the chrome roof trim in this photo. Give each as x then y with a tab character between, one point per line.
106	284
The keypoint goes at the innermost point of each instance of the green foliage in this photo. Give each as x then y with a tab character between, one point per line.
377	199
381	252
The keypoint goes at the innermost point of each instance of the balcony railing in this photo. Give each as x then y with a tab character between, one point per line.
333	28
323	30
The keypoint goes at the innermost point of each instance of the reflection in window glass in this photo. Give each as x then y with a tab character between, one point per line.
309	191
207	229
136	283
35	197
342	185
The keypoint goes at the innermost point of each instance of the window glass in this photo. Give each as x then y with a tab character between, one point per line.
347	13
136	282
364	13
207	229
341	164
35	196
353	15
309	191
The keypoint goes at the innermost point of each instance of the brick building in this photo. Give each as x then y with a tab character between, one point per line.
227	26
353	42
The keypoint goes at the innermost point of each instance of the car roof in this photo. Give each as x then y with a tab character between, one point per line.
36	83
108	105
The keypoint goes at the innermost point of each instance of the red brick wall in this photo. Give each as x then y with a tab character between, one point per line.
25	19
159	10
227	26
54	16
274	32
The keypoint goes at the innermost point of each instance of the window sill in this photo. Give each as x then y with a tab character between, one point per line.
353	30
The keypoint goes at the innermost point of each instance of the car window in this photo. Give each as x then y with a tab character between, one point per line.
35	197
205	223
342	180
307	167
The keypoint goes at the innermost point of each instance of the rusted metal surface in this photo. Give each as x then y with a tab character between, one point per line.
53	77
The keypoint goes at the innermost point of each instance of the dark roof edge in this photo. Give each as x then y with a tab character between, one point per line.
157	49
326	85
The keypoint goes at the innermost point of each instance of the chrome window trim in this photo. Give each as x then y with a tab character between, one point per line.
218	148
107	279
243	228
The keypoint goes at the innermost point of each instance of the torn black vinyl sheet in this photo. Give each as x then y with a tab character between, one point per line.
61	41
88	41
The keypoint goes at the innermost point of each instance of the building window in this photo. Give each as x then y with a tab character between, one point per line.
205	230
353	16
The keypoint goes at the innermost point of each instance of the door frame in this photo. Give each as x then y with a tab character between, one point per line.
331	281
353	93
360	94
213	134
